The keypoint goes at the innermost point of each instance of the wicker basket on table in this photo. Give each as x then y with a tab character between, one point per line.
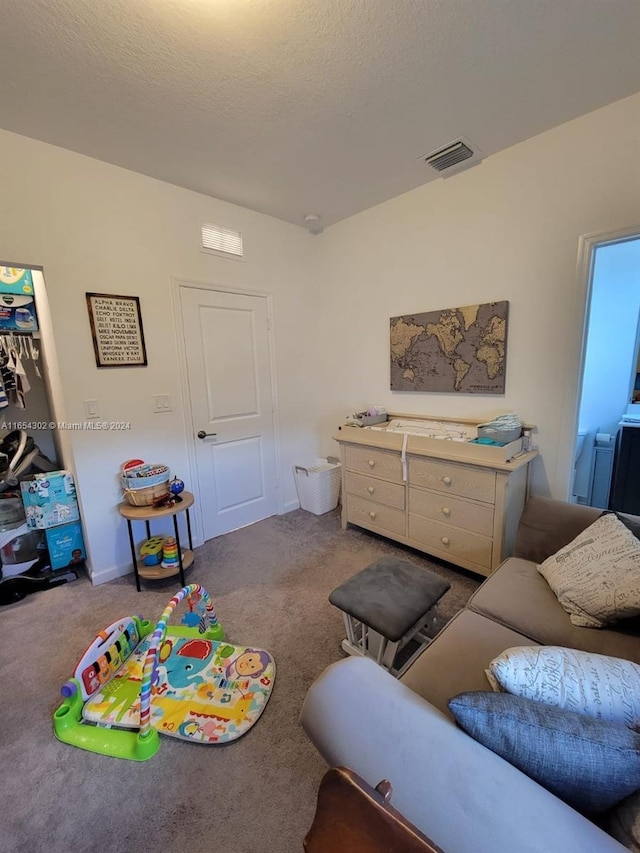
146	490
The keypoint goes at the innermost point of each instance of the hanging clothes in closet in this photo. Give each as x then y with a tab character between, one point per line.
14	384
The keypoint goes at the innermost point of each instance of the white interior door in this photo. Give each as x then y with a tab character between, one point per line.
228	361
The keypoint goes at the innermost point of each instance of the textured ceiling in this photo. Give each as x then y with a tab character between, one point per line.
297	106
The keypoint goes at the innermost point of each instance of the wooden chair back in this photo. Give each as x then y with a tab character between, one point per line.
353	817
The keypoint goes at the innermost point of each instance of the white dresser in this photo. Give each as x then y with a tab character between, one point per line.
460	502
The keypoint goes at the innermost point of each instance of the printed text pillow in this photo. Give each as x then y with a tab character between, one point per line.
599	686
596	577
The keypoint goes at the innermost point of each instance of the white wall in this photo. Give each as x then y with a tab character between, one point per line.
506	229
96	227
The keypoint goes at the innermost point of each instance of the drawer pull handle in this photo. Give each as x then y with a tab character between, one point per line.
371	490
372	462
445	540
372	514
446	510
446	481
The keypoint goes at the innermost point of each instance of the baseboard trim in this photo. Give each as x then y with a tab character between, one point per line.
111	574
289	507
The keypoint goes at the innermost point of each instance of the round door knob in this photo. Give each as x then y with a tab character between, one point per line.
372	514
445	540
446	510
446	481
371	490
372	462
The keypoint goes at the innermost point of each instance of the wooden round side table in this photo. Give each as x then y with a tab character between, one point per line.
148	514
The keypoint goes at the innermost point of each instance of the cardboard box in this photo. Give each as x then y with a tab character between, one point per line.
17	313
49	499
17	281
66	546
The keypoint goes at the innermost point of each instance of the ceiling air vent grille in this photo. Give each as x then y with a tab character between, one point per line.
222	240
452	158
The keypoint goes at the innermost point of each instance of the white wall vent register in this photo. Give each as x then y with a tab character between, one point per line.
223	240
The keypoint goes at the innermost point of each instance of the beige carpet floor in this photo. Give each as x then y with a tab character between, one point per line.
269	583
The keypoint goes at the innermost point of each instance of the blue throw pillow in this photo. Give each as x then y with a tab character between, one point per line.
588	763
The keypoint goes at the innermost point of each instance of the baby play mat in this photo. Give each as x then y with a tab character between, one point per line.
206	691
186	682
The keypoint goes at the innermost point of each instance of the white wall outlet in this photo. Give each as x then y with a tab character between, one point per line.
162	403
91	409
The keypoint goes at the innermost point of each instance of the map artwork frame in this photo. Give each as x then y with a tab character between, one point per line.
454	350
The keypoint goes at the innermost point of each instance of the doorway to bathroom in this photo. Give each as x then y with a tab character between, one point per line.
610	378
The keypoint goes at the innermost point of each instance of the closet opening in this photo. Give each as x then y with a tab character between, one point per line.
31	446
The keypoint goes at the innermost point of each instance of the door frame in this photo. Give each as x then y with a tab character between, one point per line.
587	245
178	282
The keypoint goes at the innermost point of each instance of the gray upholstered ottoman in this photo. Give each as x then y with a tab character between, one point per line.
386	606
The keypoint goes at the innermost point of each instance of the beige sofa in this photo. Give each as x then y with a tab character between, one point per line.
463	796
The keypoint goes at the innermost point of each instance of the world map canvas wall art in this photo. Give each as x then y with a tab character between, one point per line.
456	349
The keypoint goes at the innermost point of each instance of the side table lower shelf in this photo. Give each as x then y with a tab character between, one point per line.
156	573
148	514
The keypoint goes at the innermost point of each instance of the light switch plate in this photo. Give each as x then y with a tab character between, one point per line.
91	409
162	403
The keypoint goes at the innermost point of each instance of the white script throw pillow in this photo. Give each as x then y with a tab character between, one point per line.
596	577
595	685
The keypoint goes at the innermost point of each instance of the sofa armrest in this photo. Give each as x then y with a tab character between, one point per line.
457	792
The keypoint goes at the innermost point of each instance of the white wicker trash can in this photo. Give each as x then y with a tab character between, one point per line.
318	485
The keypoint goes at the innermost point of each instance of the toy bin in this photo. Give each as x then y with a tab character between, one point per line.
318	485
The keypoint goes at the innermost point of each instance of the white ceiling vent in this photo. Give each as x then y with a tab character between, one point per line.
453	158
222	241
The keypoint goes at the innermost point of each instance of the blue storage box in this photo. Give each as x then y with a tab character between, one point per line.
66	546
49	499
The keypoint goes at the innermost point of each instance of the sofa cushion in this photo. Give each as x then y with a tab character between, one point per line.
546	525
596	576
457	658
516	581
590	764
596	685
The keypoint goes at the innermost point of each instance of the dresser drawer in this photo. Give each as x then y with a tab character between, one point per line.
478	518
451	541
449	477
381	491
380	463
375	516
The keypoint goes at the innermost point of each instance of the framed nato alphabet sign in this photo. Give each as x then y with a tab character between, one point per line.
116	328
